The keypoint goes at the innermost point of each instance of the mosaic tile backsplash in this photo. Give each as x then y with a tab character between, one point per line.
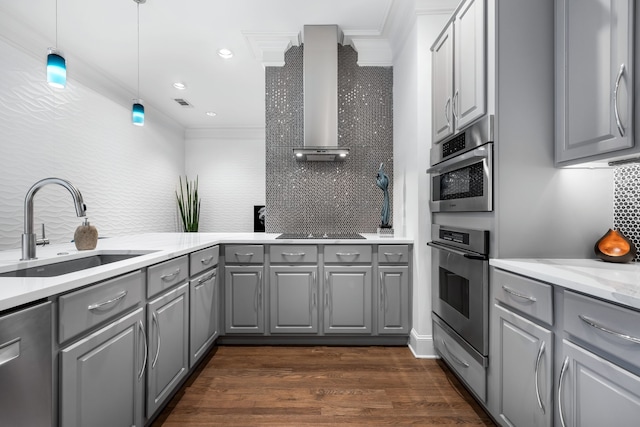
626	203
336	197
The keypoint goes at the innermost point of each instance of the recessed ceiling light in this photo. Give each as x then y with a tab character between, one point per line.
180	85
225	53
210	113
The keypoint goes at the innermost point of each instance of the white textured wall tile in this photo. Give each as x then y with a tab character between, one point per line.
126	174
231	176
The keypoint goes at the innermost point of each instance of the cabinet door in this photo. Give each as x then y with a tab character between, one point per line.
469	98
442	86
168	320
394	302
294	299
244	299
594	392
594	56
347	300
203	314
102	376
525	357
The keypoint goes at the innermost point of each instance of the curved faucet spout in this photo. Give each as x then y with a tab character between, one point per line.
29	237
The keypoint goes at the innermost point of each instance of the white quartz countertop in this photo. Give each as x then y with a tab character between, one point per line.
618	283
156	247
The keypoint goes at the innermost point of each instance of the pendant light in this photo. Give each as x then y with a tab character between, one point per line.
137	111
56	65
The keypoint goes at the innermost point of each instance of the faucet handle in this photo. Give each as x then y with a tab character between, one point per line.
44	240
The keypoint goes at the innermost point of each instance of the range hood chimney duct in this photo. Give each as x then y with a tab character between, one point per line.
320	74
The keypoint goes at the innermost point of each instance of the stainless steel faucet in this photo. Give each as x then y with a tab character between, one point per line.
29	237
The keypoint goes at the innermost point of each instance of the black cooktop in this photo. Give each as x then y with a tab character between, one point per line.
320	236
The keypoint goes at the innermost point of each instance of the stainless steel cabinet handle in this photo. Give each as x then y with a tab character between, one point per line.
537	371
155	359
615	100
315	287
293	253
393	254
454	106
451	355
238	254
327	301
204	280
146	350
259	288
207	261
599	327
565	365
381	284
446	112
347	253
99	305
517	294
9	351
170	277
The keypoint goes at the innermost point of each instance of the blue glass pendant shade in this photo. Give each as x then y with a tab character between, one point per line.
137	114
56	70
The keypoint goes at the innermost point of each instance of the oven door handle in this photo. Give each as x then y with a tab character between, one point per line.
463	160
457	252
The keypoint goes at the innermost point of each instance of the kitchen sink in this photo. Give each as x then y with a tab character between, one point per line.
72	265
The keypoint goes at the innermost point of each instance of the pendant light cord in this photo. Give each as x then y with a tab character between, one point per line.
138	7
56	24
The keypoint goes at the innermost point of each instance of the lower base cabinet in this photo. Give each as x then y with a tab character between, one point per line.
394	302
524	361
102	376
294	299
244	299
204	314
347	300
168	363
593	392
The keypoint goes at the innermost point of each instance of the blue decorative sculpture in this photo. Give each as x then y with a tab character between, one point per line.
383	182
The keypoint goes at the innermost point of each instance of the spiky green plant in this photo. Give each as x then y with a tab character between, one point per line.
189	204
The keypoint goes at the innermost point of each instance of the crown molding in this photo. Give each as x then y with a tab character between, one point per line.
373	52
269	47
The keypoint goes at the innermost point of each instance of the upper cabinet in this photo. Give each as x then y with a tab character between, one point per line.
459	71
594	80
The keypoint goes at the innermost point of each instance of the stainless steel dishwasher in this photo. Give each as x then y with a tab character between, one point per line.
26	367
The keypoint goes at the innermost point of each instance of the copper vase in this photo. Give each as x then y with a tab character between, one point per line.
615	247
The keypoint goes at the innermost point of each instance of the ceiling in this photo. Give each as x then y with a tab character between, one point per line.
178	42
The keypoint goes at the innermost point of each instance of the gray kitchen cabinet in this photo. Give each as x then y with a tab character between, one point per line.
593	392
394	304
102	376
244	299
594	80
347	299
294	299
204	314
168	326
459	71
524	360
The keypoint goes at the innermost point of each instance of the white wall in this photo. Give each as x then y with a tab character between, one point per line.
127	174
412	141
230	166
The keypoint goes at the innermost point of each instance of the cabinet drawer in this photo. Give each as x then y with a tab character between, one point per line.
81	310
244	254
294	254
525	295
393	254
602	325
167	274
203	260
468	369
347	254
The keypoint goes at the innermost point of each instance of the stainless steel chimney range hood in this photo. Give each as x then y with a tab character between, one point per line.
320	74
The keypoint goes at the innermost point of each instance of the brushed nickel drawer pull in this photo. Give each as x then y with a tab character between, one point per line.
206	261
170	277
99	305
519	295
293	254
204	280
599	327
347	253
393	254
250	254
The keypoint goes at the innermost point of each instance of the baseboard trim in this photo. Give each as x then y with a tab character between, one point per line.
422	346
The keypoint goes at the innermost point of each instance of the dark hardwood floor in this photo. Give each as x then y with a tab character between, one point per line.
297	386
